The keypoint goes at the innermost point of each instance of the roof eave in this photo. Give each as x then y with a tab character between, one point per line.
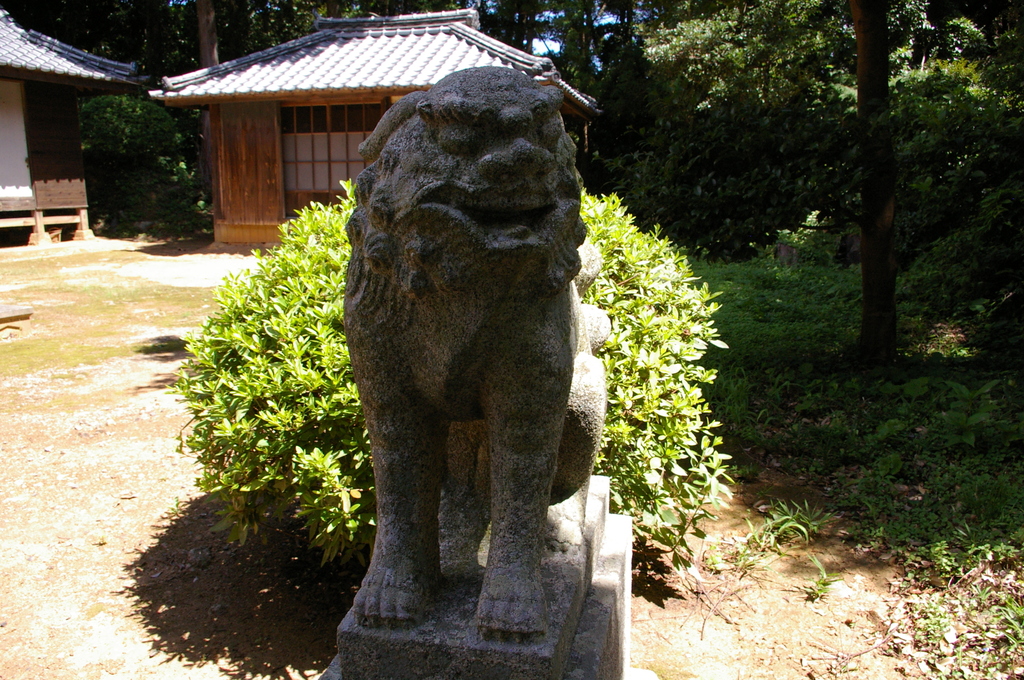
470	17
171	99
580	108
15	72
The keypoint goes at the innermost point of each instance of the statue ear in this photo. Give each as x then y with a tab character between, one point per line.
553	97
400	112
426	110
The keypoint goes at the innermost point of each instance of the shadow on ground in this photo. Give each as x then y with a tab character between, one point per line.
253	610
654	579
177	248
168	349
163	347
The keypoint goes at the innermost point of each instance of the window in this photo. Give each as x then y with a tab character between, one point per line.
320	148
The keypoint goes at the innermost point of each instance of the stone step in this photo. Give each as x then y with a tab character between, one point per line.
14	320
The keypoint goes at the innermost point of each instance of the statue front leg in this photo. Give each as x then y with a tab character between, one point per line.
404	572
524	421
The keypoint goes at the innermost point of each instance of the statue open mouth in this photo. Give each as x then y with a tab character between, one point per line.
489	204
508	220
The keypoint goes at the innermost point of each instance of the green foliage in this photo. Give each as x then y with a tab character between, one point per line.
658	447
820	586
276	418
955	142
129	129
730	178
923	453
754	130
765	53
923	459
1005	71
134	168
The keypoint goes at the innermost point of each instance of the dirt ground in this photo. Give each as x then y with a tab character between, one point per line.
109	569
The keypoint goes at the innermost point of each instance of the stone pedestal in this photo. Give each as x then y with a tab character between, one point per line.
588	607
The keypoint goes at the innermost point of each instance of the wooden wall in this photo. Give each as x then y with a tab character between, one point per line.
54	145
249	203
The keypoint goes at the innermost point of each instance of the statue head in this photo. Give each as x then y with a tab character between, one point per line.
476	173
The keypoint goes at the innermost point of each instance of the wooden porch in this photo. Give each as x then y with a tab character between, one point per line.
39	221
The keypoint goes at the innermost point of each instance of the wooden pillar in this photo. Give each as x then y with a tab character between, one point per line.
83	232
39	237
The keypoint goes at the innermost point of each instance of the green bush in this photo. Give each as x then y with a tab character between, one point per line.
128	128
658	446
955	142
276	415
276	418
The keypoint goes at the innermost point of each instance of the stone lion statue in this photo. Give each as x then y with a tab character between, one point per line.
471	350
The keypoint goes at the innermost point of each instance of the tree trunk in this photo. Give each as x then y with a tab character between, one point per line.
207	58
878	259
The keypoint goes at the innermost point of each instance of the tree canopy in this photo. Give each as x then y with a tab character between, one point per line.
724	121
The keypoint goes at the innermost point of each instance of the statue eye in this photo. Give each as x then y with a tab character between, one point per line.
458	139
550	132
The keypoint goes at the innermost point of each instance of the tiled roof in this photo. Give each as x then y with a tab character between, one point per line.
32	51
407	52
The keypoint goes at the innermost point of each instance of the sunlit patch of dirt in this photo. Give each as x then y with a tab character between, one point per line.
750	614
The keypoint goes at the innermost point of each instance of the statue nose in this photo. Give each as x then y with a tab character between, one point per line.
519	159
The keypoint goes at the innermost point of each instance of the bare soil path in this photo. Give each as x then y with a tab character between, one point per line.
730	618
108	567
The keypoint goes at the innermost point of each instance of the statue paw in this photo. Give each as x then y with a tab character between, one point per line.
512	606
392	597
564	535
565	523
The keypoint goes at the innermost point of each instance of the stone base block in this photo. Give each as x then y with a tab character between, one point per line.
600	650
588	606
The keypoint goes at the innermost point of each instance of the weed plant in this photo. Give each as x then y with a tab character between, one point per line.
821	585
785	523
925	455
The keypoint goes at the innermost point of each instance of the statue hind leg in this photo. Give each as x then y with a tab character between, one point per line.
465	498
581	440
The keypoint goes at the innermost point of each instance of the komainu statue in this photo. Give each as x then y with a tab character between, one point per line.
471	350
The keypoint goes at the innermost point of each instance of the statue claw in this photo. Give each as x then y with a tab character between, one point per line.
392	598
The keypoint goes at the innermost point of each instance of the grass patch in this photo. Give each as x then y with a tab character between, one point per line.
924	456
85	313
